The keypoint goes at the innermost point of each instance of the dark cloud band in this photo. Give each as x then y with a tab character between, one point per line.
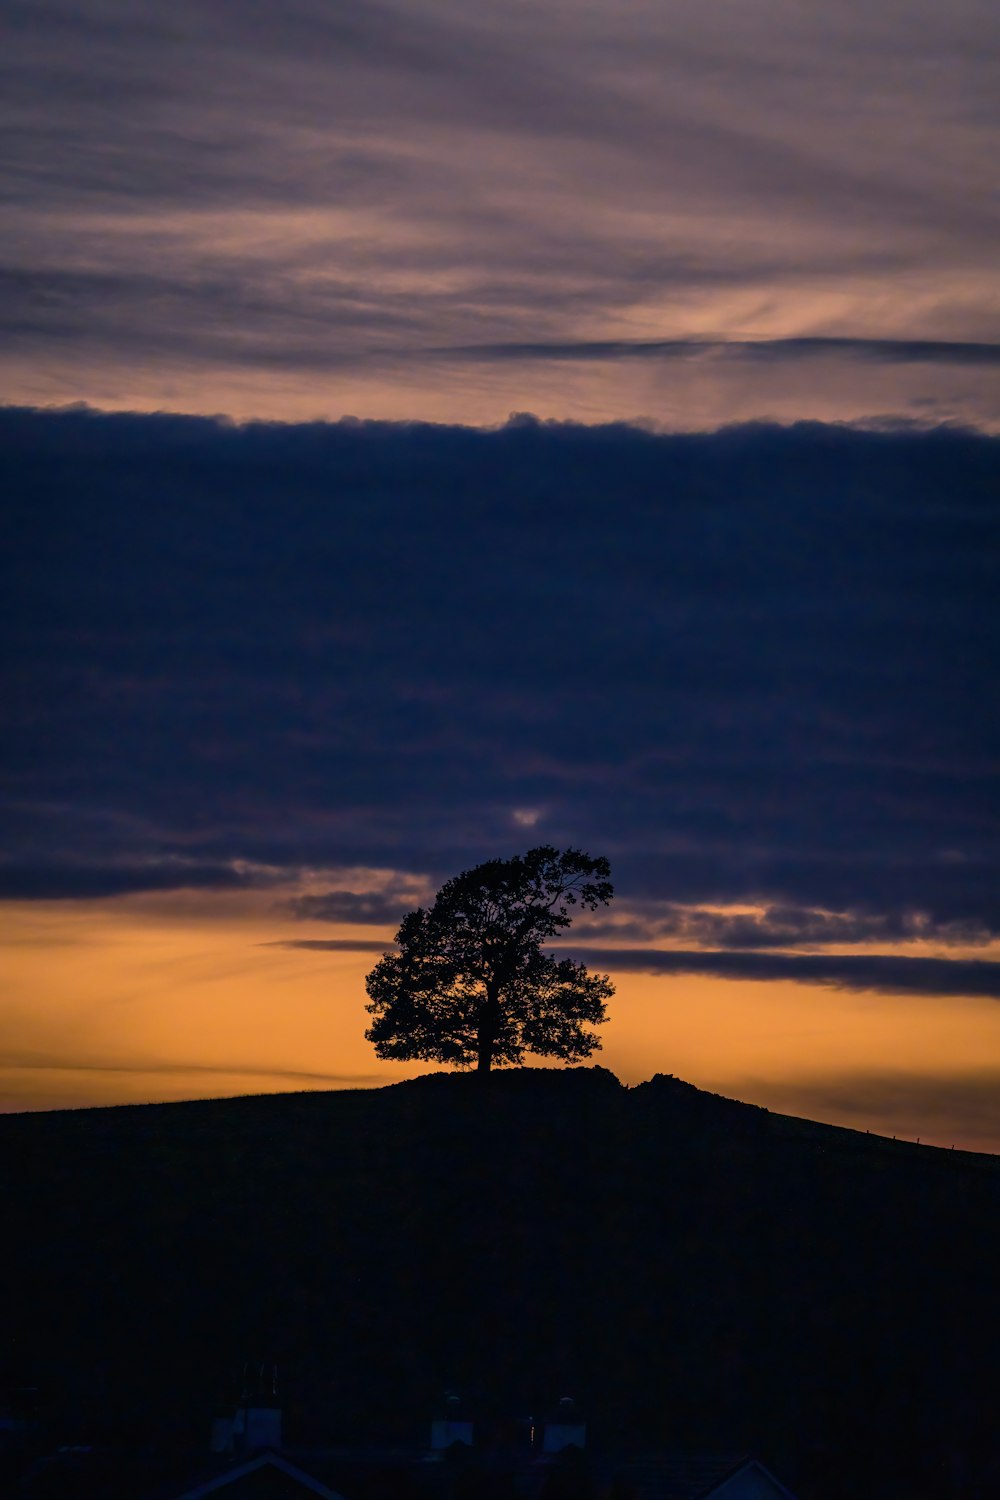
87	882
884	973
755	665
333	945
887	973
751	351
378	908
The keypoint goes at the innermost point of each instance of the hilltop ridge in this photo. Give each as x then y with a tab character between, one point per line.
696	1271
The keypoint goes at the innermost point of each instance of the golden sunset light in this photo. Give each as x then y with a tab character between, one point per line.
168	998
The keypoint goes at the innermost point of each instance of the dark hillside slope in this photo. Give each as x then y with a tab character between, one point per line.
697	1272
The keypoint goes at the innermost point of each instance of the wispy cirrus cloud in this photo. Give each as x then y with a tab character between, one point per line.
332	945
42	1062
304	205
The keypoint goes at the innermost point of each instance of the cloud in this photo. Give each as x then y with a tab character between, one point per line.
329	191
77	881
143	1067
752	667
887	973
333	945
378	908
753	351
787	926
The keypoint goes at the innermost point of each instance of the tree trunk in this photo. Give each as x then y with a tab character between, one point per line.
487	1034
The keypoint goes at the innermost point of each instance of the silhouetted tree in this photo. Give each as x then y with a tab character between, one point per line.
470	984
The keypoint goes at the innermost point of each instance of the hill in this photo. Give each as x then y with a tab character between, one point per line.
695	1271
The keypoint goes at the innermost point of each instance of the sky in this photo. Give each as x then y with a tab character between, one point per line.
431	431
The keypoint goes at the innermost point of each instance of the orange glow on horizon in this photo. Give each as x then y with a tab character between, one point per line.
163	998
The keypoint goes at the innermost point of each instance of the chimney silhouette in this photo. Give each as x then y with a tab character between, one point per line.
256	1422
451	1425
565	1428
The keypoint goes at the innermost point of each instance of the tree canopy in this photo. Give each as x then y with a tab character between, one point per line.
470	984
